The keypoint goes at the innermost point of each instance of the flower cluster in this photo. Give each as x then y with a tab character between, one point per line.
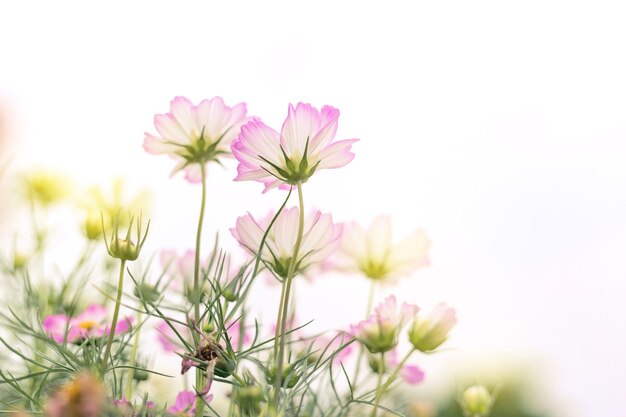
198	306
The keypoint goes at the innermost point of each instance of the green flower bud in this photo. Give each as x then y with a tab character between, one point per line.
93	226
476	401
249	398
140	375
289	378
19	260
146	292
124	250
225	365
208	327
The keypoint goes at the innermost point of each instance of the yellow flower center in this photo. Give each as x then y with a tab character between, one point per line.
87	324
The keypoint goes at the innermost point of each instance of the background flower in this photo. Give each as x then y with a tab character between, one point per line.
93	322
373	253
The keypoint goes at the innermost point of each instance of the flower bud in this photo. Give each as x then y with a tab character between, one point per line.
249	398
19	260
428	333
225	365
476	401
146	292
124	250
208	327
93	226
140	375
289	378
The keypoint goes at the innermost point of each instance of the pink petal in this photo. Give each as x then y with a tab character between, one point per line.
336	154
411	374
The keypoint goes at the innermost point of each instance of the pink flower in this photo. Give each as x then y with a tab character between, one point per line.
91	323
372	252
185	404
379	333
195	135
320	238
303	146
168	339
325	346
411	374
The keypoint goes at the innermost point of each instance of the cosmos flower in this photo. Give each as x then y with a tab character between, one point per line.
372	252
91	323
185	404
411	374
195	135
427	333
320	238
84	396
303	146
379	333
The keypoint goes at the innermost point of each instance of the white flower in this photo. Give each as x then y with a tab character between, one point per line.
373	253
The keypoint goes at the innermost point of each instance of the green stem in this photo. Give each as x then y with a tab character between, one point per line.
285	302
133	360
368	311
116	312
196	292
395	372
381	371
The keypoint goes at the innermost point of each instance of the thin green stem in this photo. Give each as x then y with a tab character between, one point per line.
381	371
116	312
285	308
368	311
133	360
200	380
395	372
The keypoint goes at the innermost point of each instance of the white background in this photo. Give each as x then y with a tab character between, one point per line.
497	126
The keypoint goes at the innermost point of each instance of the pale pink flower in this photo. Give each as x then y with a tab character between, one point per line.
427	333
303	146
195	135
373	253
91	323
324	346
379	333
84	396
320	238
411	374
185	404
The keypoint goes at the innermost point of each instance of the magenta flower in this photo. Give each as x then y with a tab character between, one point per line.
195	135
303	146
185	404
379	333
320	239
91	323
373	253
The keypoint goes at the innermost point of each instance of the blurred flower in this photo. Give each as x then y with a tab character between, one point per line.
185	404
428	333
411	374
320	238
476	401
373	253
195	135
302	147
82	397
91	323
127	409
322	347
379	333
108	202
46	188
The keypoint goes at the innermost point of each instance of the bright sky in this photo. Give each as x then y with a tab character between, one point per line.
496	126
